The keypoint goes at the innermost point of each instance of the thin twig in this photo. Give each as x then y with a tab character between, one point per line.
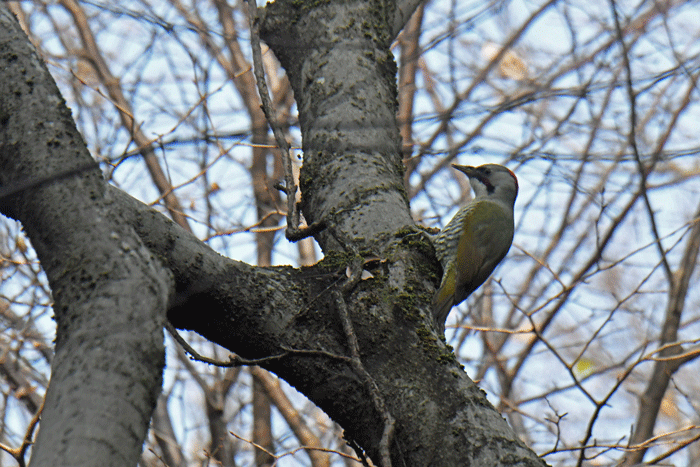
293	231
318	353
370	385
358	450
643	171
19	453
233	360
302	233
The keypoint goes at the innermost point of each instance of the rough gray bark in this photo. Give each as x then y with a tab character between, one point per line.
110	293
338	60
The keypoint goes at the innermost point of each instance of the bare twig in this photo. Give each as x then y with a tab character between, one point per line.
307	438
19	453
234	360
643	171
318	353
358	450
678	285
93	53
293	232
356	362
666	365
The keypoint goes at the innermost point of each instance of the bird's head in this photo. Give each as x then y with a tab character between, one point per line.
491	181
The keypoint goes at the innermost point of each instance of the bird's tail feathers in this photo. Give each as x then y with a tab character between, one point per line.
441	308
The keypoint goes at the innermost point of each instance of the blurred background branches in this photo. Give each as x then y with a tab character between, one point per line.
586	337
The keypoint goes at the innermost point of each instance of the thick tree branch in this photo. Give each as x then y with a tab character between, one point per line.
353	177
109	292
347	115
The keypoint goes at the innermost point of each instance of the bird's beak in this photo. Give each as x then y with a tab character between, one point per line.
466	169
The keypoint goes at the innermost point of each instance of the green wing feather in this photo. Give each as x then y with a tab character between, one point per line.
485	234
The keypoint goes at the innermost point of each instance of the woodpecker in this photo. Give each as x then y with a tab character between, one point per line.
477	238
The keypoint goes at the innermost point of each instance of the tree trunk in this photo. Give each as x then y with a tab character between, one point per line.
110	293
